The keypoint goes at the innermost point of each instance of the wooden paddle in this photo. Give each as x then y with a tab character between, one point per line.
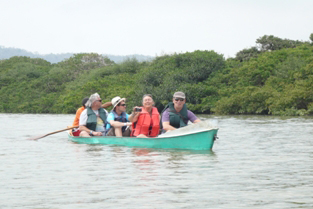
105	105
41	136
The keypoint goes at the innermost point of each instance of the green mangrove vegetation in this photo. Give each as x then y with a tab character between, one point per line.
275	77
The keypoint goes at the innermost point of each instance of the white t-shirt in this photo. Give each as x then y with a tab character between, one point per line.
100	124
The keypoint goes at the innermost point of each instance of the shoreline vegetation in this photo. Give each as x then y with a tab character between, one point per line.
273	78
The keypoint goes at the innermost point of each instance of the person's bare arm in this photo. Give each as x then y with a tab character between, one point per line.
117	124
134	116
167	126
197	121
84	128
107	104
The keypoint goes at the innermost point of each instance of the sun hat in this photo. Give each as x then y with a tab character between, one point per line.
179	94
116	100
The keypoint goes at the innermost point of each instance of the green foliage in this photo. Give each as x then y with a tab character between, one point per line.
267	43
247	54
250	100
276	78
109	81
168	74
271	43
277	82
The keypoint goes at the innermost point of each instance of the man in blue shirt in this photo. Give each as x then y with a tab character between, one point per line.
117	121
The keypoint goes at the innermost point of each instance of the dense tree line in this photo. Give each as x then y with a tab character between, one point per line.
275	77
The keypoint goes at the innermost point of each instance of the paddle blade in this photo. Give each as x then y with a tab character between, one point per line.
37	137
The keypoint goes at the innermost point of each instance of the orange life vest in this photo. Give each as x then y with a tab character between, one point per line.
78	112
149	126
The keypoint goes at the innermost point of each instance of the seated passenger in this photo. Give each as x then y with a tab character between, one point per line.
117	121
92	119
176	114
76	131
145	119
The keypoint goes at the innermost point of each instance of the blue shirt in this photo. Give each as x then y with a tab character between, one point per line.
111	117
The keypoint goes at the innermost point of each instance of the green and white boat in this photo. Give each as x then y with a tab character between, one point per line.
195	140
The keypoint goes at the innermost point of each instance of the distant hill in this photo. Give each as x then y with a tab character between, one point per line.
8	52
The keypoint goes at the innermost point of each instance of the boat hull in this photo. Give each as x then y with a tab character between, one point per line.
203	140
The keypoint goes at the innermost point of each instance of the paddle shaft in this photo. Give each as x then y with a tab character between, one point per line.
61	130
39	137
105	105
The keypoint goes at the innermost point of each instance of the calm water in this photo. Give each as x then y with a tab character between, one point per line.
257	162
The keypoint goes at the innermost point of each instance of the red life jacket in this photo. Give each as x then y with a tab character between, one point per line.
149	126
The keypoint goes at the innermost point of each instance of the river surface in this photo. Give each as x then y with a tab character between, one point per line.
257	162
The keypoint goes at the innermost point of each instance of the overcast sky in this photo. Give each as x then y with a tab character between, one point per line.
150	27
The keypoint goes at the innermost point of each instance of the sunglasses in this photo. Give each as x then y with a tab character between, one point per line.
179	99
100	100
122	105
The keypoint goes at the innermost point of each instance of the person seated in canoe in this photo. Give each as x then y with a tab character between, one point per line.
92	119
76	131
146	119
176	115
117	121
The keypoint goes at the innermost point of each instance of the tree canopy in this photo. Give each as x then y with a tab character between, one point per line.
275	77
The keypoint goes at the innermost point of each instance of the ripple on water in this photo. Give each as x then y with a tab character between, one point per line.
257	162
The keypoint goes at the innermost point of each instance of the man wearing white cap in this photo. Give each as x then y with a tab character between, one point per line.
92	119
176	114
117	121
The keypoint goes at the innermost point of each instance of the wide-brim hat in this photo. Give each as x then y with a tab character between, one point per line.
116	100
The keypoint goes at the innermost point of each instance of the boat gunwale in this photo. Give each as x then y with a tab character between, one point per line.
126	137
